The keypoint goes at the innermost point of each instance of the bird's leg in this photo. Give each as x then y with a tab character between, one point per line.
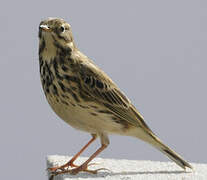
70	163
84	166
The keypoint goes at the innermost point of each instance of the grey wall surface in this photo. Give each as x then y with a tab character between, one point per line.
155	51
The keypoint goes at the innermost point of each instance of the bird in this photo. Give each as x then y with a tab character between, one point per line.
86	98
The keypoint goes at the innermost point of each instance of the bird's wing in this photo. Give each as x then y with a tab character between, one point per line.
97	85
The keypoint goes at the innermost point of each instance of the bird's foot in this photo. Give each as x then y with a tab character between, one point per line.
74	171
85	169
63	167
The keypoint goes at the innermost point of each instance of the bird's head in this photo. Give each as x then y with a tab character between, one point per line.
56	32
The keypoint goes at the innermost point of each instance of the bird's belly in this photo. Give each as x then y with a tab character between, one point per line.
86	119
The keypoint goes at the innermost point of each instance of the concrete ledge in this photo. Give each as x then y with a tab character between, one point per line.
130	170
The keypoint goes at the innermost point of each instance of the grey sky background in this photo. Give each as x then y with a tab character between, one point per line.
155	51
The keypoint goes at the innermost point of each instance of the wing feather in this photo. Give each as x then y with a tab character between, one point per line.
101	88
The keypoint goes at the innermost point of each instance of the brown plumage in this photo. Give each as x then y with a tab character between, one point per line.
85	97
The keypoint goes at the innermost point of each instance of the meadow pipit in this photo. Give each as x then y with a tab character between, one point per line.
82	95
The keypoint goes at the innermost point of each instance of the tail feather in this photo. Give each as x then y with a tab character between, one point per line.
148	136
175	157
170	153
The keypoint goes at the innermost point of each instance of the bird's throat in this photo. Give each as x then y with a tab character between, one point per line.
49	51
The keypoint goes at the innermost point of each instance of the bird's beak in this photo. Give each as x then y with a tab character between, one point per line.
45	28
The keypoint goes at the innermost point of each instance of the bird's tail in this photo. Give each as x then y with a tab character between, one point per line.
152	139
146	134
171	154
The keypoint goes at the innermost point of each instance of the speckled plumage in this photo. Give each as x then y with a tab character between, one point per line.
83	95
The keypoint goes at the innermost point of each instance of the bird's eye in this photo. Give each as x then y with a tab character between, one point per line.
62	28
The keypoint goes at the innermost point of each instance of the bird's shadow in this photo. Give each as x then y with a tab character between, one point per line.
110	173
